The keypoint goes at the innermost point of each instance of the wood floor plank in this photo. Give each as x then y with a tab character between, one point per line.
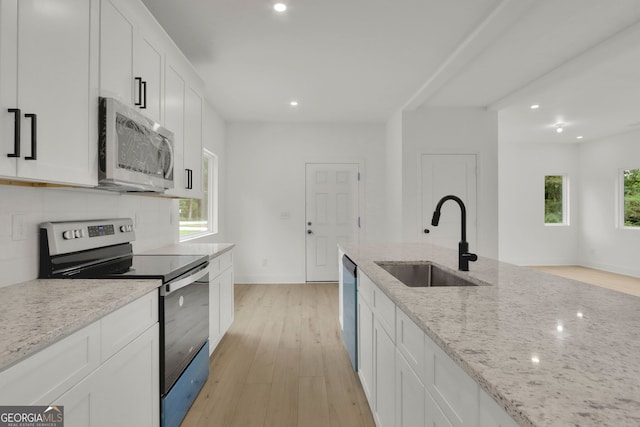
605	279
282	363
252	406
313	409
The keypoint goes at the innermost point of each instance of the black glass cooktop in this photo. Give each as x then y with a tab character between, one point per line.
165	267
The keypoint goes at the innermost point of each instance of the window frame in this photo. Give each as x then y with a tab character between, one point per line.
621	200
212	198
565	202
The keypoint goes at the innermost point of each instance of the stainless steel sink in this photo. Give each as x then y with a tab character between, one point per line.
423	274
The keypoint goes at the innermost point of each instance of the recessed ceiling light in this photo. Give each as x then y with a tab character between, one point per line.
559	129
535	107
279	7
294	103
579	137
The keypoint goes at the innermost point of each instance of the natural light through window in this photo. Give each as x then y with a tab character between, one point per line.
631	191
199	217
555	200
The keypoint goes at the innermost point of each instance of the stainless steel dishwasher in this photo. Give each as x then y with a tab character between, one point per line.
350	309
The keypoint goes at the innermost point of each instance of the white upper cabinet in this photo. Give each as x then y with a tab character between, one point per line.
48	83
183	110
131	56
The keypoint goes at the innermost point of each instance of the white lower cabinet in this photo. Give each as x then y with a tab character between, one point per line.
365	350
409	395
384	361
123	391
221	300
99	378
408	379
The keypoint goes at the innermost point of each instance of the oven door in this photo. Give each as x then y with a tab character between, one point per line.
184	316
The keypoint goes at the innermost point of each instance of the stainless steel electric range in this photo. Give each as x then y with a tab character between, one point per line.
102	249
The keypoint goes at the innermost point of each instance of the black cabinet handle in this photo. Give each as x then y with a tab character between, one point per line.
139	81
189	185
144	98
16	132
34	135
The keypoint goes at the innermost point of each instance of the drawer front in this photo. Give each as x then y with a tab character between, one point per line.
49	373
127	323
385	311
453	390
365	288
410	342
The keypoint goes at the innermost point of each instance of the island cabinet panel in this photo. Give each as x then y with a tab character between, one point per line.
454	391
407	378
384	380
409	395
492	415
365	349
410	343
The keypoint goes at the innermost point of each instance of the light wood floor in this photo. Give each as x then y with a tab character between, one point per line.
282	363
617	282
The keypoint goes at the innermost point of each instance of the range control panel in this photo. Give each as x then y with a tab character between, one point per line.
73	236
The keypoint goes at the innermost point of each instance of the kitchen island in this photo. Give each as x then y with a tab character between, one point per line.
550	351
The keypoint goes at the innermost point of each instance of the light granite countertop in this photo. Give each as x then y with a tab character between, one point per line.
551	351
38	313
211	249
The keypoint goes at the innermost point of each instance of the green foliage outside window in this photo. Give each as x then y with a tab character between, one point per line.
553	198
632	198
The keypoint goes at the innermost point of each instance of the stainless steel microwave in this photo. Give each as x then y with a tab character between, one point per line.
134	153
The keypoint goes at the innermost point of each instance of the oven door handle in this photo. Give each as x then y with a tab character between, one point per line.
185	281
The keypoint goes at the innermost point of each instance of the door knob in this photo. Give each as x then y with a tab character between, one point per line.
309	232
426	231
309	223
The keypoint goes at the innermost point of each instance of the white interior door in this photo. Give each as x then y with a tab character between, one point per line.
332	216
442	175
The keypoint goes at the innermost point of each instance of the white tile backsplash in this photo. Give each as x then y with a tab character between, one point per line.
31	206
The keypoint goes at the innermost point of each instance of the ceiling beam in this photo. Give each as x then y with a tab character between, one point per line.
620	42
505	14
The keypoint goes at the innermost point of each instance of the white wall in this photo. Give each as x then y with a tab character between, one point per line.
393	165
603	243
524	238
266	177
452	131
155	221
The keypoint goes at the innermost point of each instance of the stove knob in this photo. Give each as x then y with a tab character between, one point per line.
78	233
123	228
130	227
67	235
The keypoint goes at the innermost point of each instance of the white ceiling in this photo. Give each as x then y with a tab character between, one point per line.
362	60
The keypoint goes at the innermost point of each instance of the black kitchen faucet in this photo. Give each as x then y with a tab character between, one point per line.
463	247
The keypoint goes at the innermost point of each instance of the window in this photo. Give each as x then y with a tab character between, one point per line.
198	217
555	200
631	192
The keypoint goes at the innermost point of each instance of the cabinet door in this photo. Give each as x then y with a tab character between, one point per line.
226	300
384	362
434	417
409	395
193	141
148	67
128	385
214	313
79	403
365	350
117	38
55	81
174	121
8	79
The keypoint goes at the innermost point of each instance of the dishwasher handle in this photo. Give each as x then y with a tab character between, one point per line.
349	265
